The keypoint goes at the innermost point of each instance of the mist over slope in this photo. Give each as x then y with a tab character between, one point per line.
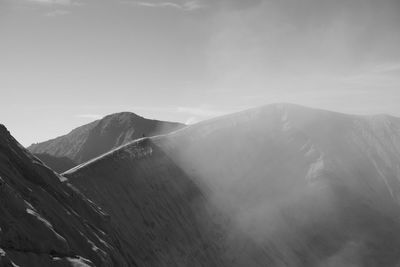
44	222
161	212
98	137
281	185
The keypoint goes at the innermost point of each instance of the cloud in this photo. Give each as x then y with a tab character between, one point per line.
58	12
56	8
387	67
185	6
58	2
202	112
90	116
196	114
191	120
52	2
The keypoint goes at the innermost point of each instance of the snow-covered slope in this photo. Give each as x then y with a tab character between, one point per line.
44	222
281	185
96	138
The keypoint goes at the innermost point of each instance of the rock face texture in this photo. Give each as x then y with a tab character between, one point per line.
281	185
44	222
91	140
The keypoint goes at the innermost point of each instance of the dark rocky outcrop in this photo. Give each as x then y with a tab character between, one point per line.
45	222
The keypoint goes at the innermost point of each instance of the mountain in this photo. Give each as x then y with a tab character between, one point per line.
58	164
162	213
280	185
98	137
47	222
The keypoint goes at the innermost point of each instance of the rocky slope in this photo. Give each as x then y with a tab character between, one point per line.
45	222
96	138
281	185
161	212
58	164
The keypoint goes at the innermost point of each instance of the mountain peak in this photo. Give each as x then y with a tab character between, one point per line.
4	131
124	114
92	140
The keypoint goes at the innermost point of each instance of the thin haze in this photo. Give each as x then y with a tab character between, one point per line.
64	63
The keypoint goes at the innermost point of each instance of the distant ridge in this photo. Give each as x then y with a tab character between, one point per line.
93	139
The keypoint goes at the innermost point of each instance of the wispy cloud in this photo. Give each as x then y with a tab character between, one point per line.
387	67
55	8
90	116
191	120
57	12
58	2
185	6
203	112
52	2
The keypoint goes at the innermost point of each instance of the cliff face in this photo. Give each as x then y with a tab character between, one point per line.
280	185
96	138
45	222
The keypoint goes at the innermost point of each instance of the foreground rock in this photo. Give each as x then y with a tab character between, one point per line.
45	222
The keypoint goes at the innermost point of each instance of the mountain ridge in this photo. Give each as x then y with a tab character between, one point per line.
292	185
93	139
46	222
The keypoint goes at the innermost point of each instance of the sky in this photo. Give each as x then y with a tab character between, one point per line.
64	63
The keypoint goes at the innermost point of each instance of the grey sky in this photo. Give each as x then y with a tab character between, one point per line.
65	62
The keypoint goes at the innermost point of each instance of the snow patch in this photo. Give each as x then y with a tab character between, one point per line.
62	178
92	244
32	211
79	262
66	211
2	253
40	218
101	240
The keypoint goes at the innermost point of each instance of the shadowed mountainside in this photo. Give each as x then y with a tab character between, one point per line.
96	138
165	218
280	185
58	164
45	222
